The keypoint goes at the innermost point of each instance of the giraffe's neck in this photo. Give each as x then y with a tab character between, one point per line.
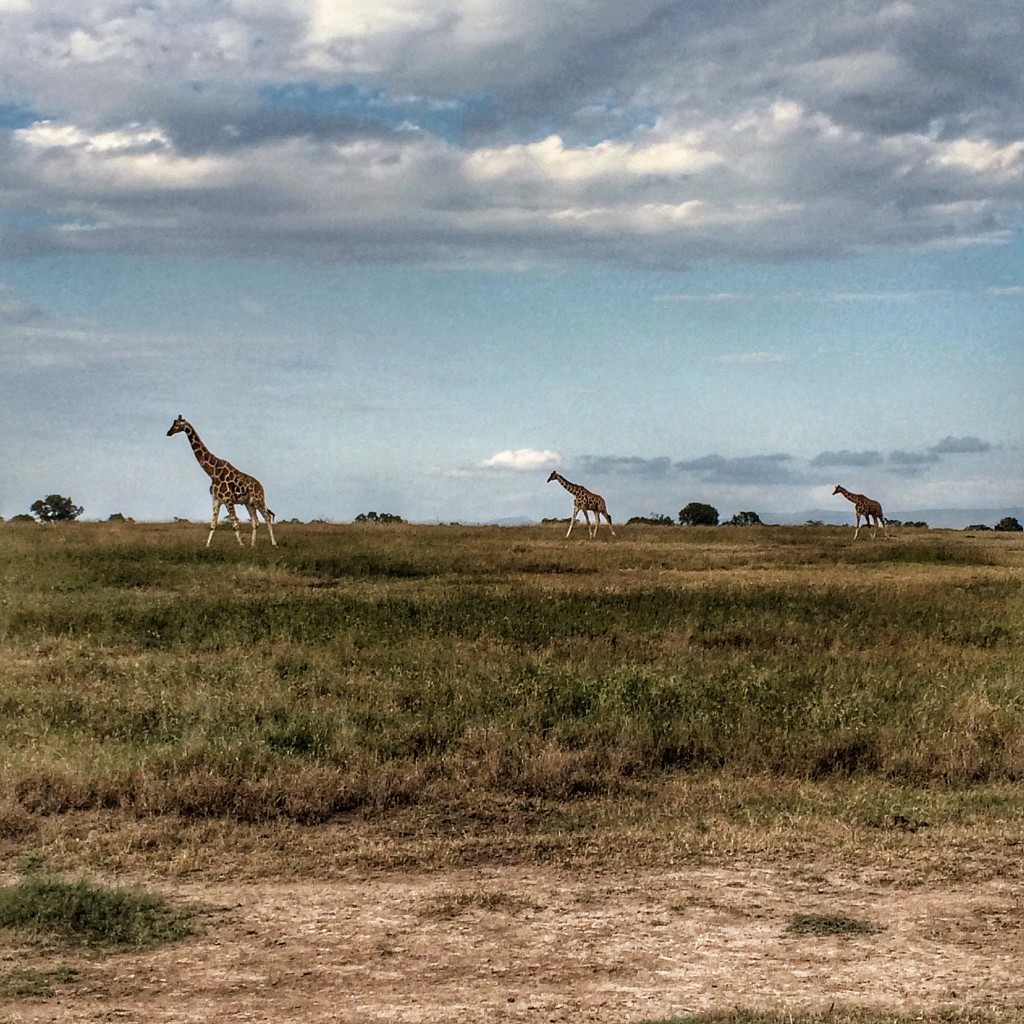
848	496
574	489
203	455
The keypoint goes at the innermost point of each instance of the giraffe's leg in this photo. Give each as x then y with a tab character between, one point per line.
590	529
234	525
255	523
213	520
572	522
857	530
269	517
610	527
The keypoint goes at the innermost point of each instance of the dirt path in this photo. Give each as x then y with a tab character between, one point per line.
531	944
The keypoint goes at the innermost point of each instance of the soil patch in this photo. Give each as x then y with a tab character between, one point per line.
514	943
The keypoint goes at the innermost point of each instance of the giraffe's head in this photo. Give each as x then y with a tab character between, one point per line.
554	475
177	426
838	490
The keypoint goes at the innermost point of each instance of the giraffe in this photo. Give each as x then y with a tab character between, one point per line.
863	506
586	502
229	486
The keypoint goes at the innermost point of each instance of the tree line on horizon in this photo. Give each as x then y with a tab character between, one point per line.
56	508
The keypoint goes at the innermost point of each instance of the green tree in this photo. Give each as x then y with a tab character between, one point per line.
1008	524
698	514
746	519
55	508
378	517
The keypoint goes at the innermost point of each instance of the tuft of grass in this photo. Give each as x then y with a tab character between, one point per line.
87	914
830	924
29	983
456	902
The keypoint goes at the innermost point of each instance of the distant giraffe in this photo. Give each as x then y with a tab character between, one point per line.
586	502
863	506
229	486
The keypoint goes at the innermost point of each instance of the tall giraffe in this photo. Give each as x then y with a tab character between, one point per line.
586	502
863	506
229	486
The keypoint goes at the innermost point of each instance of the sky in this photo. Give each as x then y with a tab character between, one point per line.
408	256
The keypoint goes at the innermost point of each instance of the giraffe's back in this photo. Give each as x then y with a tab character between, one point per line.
590	501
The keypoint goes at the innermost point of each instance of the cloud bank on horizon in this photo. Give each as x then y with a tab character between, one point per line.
648	134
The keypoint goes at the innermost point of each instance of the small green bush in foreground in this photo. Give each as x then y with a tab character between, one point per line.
82	913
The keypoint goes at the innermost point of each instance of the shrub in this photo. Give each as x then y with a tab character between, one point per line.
654	519
87	914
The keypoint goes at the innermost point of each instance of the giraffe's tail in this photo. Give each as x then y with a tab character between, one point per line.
270	515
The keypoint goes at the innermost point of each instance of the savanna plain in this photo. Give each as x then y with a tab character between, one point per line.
441	773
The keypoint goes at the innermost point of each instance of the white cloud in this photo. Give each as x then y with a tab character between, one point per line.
522	458
639	133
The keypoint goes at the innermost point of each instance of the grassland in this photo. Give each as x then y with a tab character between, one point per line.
474	678
542	734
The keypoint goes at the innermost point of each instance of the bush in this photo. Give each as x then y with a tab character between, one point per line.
88	914
654	519
1009	524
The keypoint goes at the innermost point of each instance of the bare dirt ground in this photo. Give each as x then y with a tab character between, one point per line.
514	943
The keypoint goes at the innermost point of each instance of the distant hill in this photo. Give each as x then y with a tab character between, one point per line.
941	518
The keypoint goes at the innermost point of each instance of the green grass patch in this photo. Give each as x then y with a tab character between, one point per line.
830	924
30	983
84	913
